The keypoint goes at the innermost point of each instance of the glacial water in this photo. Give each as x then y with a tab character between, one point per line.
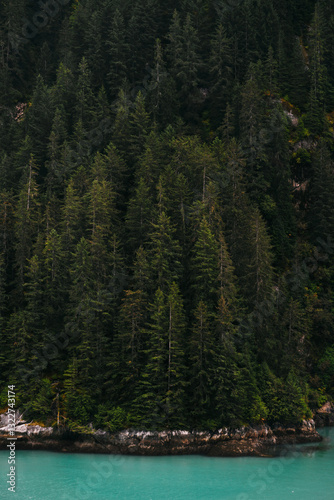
304	473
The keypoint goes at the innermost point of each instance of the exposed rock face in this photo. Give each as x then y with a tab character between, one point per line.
293	117
4	418
305	144
257	441
22	427
325	415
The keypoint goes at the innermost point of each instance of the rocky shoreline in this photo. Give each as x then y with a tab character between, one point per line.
245	441
324	417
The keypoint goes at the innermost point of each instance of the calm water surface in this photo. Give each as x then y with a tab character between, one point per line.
306	474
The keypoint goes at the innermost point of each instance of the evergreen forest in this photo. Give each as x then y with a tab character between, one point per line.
167	211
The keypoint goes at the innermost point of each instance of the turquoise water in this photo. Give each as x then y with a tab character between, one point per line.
306	474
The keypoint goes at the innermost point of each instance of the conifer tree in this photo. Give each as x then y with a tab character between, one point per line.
6	225
89	318
203	356
141	271
251	120
94	42
116	172
153	385
174	188
175	369
319	82
163	377
85	100
139	121
55	282
205	265
63	91
184	60
121	128
257	280
271	72
277	206
56	175
141	34
71	217
27	217
321	209
127	356
118	49
102	218
39	119
3	306
296	334
165	253
76	401
162	91
220	64
139	216
32	336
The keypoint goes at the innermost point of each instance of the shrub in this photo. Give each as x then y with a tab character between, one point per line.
113	419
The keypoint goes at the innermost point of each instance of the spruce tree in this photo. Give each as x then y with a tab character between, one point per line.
203	353
319	82
220	64
321	209
152	390
56	175
205	264
139	121
162	101
27	216
184	61
85	99
165	253
139	216
39	119
118	49
127	356
163	381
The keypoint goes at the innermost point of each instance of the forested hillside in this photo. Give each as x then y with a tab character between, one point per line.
167	211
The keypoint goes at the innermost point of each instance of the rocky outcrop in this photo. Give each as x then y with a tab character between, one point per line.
251	441
22	427
324	417
307	144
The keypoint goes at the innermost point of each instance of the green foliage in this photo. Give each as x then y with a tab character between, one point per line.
326	368
258	412
204	360
4	398
118	49
41	404
286	400
167	212
317	398
76	401
113	419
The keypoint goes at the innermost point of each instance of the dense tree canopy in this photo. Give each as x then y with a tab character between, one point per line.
167	210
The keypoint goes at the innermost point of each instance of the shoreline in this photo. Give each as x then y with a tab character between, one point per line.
260	441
